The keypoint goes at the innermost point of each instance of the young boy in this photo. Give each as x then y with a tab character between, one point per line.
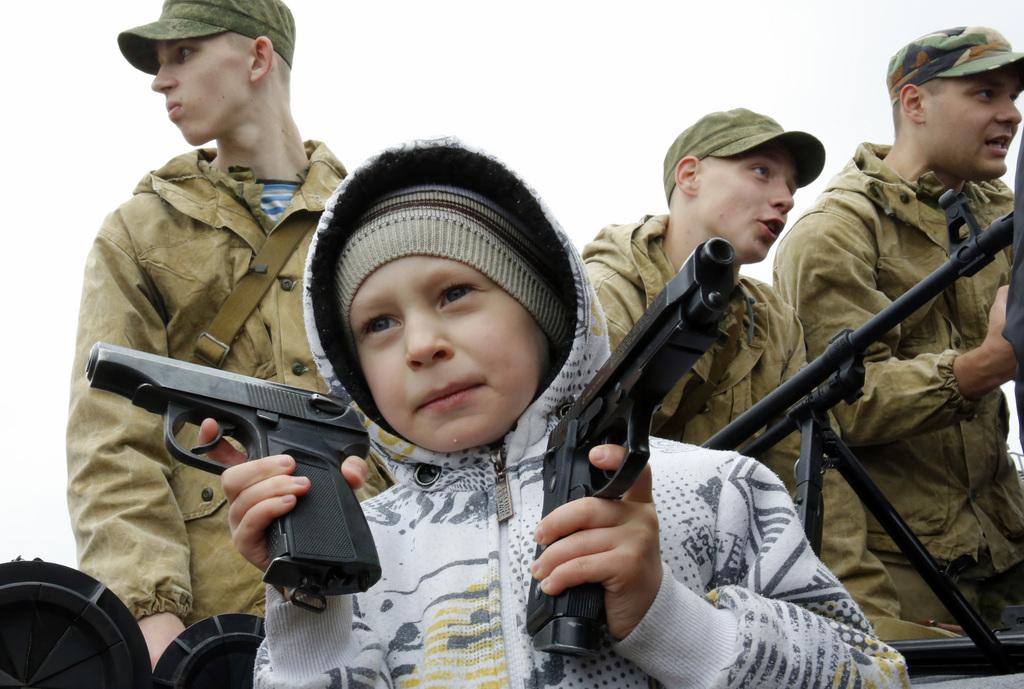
445	302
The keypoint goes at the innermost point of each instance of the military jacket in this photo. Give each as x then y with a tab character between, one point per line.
628	268
150	528
940	458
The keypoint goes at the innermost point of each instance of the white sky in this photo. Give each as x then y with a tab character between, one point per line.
581	98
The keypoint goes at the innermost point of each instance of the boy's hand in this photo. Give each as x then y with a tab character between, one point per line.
610	542
261	490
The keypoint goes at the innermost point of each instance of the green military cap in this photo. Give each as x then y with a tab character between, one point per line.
725	134
955	52
197	18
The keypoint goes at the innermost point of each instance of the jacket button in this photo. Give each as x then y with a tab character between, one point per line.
957	341
287	284
904	197
426	475
298	368
207	494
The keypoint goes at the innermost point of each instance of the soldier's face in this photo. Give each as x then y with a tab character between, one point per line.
205	85
746	199
969	123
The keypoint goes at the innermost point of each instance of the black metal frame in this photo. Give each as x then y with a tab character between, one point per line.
837	375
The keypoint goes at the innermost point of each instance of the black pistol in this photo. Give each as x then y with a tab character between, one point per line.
323	546
617	407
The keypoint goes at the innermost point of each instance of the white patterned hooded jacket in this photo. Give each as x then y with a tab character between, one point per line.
743	601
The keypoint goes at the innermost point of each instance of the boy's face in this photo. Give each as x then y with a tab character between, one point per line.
969	124
451	359
746	199
204	82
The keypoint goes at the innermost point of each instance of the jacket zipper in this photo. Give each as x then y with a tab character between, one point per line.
502	494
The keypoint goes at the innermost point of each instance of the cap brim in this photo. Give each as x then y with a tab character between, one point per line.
984	64
138	45
808	153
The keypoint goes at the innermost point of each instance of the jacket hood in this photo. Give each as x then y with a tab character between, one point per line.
448	161
634	252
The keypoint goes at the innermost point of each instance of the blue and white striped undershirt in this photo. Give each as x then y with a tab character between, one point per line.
276	197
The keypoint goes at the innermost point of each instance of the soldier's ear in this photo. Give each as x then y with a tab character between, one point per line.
262	58
912	102
688	172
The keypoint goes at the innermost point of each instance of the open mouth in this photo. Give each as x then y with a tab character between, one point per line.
774	227
999	143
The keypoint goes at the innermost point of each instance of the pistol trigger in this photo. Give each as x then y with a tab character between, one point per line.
206	447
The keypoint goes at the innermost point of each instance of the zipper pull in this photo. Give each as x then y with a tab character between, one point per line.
502	494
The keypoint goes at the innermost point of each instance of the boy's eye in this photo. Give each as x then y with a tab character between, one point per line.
183	53
455	293
380	324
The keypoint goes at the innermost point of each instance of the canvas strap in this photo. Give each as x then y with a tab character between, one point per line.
214	344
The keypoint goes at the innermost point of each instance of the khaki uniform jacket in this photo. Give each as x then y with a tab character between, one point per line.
629	267
940	458
150	528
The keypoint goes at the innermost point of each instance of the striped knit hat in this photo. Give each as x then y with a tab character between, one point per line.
457	224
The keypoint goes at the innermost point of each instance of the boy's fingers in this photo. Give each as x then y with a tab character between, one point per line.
223	452
249	535
246	484
609	458
354	470
582	514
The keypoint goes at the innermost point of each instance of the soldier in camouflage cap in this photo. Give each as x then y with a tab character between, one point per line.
159	274
931	426
957	52
198	18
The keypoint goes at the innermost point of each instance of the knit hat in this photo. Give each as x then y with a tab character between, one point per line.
453	223
198	18
725	134
955	52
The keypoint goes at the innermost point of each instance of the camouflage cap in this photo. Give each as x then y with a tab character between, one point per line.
197	18
952	53
725	134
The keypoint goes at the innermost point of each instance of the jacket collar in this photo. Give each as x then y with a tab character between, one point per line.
894	195
192	187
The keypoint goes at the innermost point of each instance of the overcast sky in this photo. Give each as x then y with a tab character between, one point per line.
582	98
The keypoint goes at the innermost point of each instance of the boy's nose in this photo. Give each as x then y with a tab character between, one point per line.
425	343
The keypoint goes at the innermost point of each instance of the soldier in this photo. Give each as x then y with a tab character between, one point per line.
733	175
158	279
931	427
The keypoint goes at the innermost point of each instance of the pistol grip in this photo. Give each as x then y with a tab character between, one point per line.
569	623
323	546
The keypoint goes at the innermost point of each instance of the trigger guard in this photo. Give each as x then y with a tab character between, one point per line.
178	452
206	447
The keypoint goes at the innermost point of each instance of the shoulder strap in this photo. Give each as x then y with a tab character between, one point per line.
214	343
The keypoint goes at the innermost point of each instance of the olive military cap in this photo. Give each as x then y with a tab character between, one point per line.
725	134
198	18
